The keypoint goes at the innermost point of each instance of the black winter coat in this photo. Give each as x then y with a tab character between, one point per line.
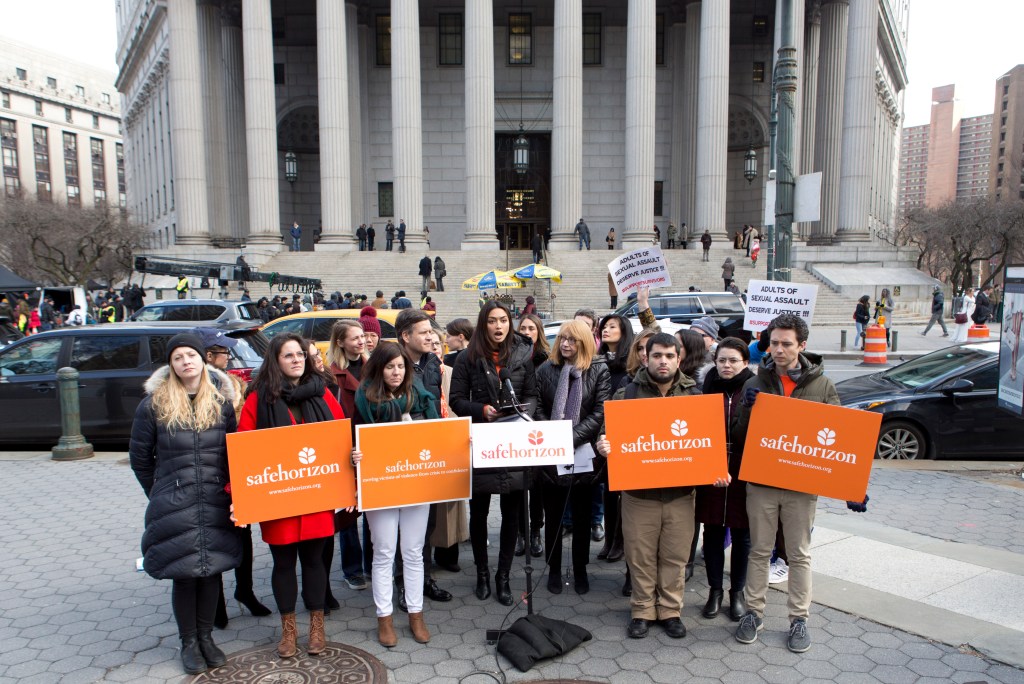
477	384
597	389
428	370
726	505
188	531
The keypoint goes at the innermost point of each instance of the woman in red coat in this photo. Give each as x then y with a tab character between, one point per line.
289	391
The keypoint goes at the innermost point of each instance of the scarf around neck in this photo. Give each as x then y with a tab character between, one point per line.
308	397
391	410
568	394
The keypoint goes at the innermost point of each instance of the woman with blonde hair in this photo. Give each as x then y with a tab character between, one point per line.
573	384
346	355
178	452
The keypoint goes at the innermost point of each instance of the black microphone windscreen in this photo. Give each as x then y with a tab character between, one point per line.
505	374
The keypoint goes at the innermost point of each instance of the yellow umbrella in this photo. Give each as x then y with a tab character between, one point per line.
539	272
493	280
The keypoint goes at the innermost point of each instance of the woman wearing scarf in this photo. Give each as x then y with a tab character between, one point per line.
573	385
390	393
477	392
725	508
289	391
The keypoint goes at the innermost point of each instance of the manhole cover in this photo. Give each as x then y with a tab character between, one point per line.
260	665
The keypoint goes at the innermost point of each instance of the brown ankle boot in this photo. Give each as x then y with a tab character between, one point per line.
317	641
386	632
286	647
419	630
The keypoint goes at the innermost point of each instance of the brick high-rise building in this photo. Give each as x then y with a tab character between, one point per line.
1006	177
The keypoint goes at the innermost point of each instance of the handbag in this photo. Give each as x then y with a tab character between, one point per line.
960	318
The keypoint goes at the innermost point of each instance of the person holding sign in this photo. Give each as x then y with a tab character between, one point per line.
178	452
789	371
390	393
573	384
289	391
657	523
477	392
726	509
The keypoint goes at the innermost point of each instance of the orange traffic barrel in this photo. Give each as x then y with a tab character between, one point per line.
874	345
978	332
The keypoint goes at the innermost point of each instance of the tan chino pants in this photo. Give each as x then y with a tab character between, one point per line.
657	536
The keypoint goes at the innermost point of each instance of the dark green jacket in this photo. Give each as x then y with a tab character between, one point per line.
683	385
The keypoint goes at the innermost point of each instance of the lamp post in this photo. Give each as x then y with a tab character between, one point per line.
750	164
521	152
291	167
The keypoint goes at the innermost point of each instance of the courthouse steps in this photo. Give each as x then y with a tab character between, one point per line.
584	278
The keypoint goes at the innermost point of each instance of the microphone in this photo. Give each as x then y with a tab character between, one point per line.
506	381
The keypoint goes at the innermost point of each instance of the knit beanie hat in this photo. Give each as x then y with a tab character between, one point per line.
185	339
368	319
706	324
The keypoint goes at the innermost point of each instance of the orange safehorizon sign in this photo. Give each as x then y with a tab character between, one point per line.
666	442
807	446
280	472
410	463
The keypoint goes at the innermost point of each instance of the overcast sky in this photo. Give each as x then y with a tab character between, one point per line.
970	43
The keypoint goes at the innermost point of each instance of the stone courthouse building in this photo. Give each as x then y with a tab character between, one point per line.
489	121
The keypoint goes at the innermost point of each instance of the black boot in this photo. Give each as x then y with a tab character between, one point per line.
400	593
483	582
581	583
220	620
714	604
520	545
737	605
191	656
627	585
213	656
251	603
501	589
554	581
536	548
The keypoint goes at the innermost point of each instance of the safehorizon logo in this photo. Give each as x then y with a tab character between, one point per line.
535	450
425	462
536	437
826	437
306	456
650	443
425	455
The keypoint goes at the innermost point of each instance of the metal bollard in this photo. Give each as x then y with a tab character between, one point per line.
72	445
895	338
842	340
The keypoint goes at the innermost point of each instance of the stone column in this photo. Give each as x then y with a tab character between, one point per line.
187	139
234	108
640	95
676	192
332	92
214	118
712	119
858	122
829	126
812	41
479	61
691	77
406	118
355	118
261	125
567	125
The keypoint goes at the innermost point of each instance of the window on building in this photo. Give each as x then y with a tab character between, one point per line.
1002	121
758	72
278	27
41	149
98	177
106	98
51	83
760	25
74	196
999	167
20	73
12	186
279	73
71	158
449	39
5	99
592	38
659	198
659	40
95	121
99	197
386	199
68	116
44	192
384	40
80	91
1004	105
999	182
520	39
122	201
1006	90
1002	151
39	107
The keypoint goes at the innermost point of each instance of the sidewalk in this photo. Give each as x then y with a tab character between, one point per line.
826	340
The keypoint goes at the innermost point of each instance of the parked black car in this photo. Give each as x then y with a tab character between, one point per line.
941	405
114	361
685	307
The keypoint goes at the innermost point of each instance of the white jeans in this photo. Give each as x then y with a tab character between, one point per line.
384	527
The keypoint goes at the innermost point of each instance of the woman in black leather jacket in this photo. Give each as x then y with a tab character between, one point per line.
573	385
476	391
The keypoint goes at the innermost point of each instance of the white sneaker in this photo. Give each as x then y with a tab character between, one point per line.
779	572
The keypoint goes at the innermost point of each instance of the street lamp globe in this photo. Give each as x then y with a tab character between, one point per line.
750	164
291	167
521	152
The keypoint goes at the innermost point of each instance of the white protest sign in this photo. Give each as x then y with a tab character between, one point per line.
766	299
769	203
644	267
807	198
522	443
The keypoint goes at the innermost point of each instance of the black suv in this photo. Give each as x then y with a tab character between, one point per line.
686	307
182	310
113	361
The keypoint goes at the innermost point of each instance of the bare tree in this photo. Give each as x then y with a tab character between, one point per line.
61	245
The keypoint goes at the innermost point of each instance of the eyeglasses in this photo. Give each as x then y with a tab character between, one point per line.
569	340
294	355
215	353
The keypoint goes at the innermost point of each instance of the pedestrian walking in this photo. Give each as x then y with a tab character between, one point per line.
883	311
582	233
728	271
705	241
938	307
723	509
361	236
792	372
530	308
389	236
388	393
672	232
613	294
477	392
440	271
755	250
573	385
182	287
537	247
426	235
748	236
963	315
371	234
287	391
178	452
401	236
296	233
861	318
657	235
610	238
982	306
425	270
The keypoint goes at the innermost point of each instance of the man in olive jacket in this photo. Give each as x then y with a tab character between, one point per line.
788	371
657	524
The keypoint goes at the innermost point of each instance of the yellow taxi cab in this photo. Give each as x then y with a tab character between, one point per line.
317	325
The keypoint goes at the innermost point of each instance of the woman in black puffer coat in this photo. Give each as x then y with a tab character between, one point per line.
476	391
178	452
573	385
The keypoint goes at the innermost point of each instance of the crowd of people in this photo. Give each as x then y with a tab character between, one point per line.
179	455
